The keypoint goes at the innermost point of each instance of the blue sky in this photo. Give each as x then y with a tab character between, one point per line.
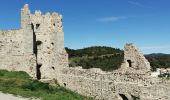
146	23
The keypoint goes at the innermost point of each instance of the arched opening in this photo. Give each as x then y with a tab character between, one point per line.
38	71
123	97
130	63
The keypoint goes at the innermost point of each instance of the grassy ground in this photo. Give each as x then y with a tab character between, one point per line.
20	83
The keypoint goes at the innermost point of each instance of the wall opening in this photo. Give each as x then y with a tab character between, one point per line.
130	63
39	71
37	26
123	97
53	68
34	41
38	42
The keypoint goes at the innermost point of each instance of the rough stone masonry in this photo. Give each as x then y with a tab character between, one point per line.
38	49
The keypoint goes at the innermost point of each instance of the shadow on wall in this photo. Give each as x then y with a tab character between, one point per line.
39	71
131	98
123	97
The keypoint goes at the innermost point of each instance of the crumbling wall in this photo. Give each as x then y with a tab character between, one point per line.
88	82
50	43
134	59
103	85
37	47
132	82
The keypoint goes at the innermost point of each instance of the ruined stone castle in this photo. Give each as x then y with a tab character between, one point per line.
38	49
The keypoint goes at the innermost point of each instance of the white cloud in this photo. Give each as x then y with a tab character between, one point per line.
138	4
112	18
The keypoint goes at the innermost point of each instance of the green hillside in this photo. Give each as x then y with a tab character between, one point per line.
108	58
20	83
159	60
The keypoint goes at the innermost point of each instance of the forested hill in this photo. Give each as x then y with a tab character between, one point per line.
93	51
159	60
108	58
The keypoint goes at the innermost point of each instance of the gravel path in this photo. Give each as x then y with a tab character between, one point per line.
12	97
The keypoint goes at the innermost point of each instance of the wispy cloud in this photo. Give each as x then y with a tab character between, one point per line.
138	4
113	18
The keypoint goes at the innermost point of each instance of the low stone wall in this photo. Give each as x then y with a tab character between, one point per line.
88	82
110	85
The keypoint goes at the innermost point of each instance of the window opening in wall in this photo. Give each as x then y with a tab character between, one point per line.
53	68
52	43
38	42
39	71
123	97
37	26
53	24
130	63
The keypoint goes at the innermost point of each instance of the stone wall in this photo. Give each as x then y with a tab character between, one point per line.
37	47
130	81
88	82
12	55
135	59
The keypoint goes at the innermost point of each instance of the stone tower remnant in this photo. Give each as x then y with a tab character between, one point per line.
39	43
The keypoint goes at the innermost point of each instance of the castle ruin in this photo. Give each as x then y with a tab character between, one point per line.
38	49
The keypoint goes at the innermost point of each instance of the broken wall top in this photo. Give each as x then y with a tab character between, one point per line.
134	59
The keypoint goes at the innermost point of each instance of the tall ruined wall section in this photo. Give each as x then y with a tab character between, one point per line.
37	48
134	59
49	38
16	49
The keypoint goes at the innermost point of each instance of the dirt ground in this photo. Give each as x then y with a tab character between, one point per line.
4	96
